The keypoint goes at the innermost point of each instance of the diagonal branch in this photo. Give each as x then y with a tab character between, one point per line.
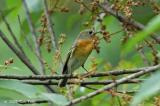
20	25
21	56
18	53
50	29
107	8
117	82
37	47
13	35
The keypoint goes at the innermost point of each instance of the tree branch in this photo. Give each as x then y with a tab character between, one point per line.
50	29
49	24
18	53
37	47
117	82
107	8
13	35
58	77
81	83
27	42
21	56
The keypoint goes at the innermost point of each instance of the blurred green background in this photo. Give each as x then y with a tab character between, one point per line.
70	23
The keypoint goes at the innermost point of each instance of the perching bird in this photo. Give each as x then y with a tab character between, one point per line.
79	53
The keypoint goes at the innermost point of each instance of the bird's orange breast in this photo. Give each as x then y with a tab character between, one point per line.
83	47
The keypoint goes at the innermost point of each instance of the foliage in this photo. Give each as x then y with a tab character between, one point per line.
121	44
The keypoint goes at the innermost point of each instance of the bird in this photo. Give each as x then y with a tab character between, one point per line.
78	54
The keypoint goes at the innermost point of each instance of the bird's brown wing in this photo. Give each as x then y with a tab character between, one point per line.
65	70
65	66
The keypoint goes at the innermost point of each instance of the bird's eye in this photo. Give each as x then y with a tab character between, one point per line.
90	32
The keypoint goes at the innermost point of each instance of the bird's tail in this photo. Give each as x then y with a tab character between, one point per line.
65	70
63	82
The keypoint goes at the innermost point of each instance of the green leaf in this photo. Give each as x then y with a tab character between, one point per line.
8	102
148	89
25	89
56	98
151	27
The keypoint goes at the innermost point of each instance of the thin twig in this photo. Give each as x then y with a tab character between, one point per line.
107	8
50	29
37	47
109	86
142	54
27	42
112	33
13	35
87	7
